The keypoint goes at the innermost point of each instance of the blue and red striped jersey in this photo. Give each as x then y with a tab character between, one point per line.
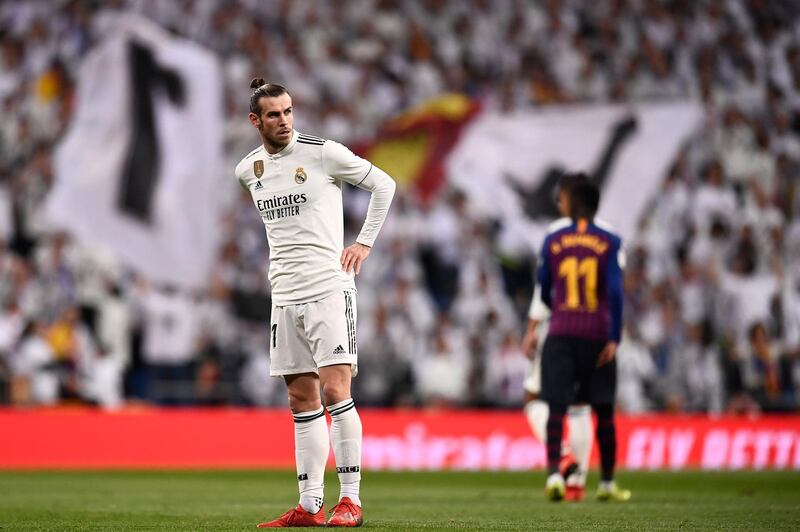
581	281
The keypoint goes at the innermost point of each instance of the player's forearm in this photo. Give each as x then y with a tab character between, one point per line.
382	188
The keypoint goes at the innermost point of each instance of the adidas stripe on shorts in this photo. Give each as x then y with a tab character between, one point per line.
312	335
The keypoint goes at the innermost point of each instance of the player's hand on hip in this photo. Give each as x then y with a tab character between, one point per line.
353	256
607	354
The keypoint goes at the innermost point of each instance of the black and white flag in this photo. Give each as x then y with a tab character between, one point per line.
509	163
137	168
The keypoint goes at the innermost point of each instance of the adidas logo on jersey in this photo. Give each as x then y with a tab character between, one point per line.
258	186
339	350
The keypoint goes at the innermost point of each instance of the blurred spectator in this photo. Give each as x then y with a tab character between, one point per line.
34	371
695	381
769	372
385	377
747	293
74	350
505	372
100	378
636	373
739	398
441	374
170	344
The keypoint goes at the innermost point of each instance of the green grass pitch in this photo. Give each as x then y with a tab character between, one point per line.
238	500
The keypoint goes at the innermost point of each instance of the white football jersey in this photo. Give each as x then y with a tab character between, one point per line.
298	193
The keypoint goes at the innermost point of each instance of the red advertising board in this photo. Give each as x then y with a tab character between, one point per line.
393	440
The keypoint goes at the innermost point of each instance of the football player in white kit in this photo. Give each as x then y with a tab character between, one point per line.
295	181
574	470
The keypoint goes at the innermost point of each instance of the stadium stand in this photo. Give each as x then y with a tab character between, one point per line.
713	277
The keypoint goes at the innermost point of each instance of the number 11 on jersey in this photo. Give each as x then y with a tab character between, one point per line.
572	271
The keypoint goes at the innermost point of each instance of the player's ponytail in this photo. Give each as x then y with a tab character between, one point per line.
262	89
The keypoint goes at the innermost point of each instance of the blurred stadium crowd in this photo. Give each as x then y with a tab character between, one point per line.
713	277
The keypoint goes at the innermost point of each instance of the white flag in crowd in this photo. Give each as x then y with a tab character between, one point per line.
137	168
508	163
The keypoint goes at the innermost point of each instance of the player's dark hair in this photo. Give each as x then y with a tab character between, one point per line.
584	199
263	90
570	180
566	182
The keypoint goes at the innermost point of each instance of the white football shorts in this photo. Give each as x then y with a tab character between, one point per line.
533	375
308	336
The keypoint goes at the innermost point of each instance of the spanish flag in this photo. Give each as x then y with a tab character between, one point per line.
413	146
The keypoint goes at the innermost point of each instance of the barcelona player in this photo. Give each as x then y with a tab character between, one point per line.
580	280
575	454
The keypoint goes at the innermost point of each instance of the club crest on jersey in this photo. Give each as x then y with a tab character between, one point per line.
300	175
258	168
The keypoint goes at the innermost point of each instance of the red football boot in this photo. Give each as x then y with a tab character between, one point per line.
574	493
297	517
567	466
346	513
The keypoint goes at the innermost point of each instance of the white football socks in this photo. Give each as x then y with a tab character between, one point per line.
311	446
537	412
580	440
346	439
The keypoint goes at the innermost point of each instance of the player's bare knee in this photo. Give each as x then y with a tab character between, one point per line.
335	383
303	393
302	401
335	391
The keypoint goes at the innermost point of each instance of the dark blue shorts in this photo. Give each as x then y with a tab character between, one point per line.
570	374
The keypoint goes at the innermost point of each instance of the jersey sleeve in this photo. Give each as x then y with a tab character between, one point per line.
615	291
538	310
543	277
342	164
239	173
